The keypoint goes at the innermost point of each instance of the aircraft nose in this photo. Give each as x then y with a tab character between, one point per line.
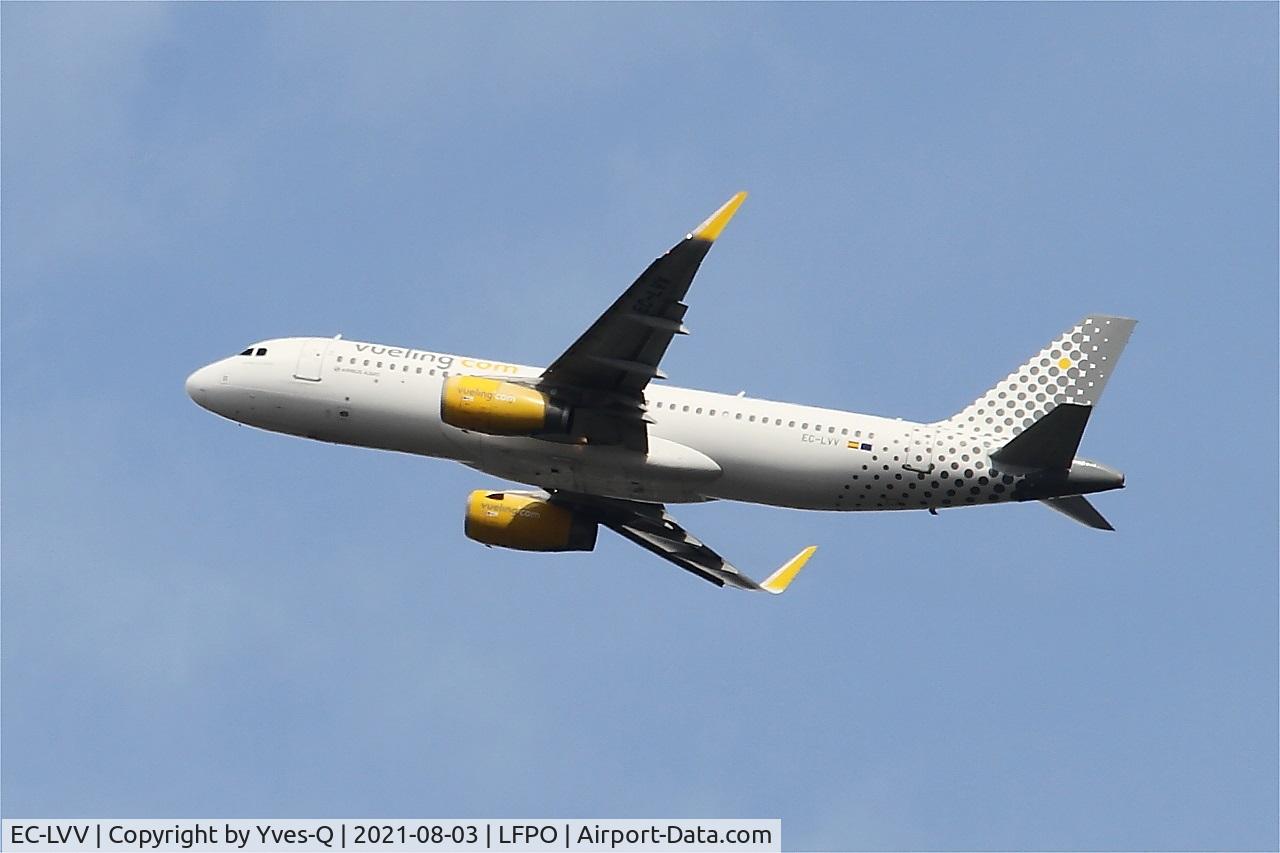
198	384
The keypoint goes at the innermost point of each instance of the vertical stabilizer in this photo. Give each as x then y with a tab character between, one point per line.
1073	368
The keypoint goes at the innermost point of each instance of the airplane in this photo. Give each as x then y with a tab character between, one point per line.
602	444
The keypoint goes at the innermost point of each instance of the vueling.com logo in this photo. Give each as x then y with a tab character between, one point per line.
441	360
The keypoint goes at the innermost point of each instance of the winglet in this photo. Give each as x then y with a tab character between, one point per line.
777	582
710	229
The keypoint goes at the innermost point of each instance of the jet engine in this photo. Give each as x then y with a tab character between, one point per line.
496	407
527	522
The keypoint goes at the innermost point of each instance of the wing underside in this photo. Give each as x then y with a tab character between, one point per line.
653	528
604	372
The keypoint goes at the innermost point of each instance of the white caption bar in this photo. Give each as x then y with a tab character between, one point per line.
297	836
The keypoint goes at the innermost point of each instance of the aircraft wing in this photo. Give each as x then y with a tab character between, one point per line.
651	527
604	372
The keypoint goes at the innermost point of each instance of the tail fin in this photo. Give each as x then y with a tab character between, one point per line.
1074	368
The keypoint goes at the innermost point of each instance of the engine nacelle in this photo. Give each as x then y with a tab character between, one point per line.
495	407
527	523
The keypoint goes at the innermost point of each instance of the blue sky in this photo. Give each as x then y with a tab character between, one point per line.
203	619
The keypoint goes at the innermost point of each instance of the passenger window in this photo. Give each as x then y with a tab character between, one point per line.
339	359
419	370
844	432
262	351
817	427
686	408
366	362
831	429
698	411
712	413
791	424
752	418
738	416
804	426
379	364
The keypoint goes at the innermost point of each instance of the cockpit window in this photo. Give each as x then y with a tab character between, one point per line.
262	351
249	351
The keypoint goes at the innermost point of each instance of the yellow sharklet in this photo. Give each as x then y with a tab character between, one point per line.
710	229
779	580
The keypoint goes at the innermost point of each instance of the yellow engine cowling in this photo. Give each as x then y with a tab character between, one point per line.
495	407
527	523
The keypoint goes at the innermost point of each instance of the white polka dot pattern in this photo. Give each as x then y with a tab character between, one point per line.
1073	369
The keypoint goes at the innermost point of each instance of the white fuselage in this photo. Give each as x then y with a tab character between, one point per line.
702	445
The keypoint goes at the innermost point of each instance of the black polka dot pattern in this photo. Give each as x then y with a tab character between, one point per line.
948	463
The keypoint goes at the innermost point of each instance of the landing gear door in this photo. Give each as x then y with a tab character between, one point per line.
919	456
311	358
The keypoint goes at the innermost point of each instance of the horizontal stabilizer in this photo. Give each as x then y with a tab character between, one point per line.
1049	444
1079	509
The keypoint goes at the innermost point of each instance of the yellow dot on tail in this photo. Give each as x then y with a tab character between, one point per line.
1064	363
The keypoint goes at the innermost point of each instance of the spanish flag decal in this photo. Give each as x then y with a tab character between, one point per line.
854	445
